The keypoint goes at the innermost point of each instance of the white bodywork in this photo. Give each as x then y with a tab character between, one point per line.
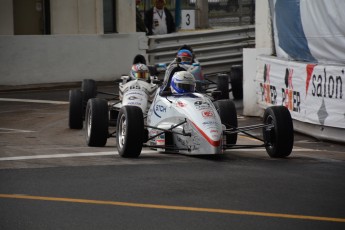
136	93
202	123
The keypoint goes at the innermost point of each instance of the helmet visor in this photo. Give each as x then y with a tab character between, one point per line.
186	60
185	88
142	75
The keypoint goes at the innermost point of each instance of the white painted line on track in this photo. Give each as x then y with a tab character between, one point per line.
4	130
66	155
35	101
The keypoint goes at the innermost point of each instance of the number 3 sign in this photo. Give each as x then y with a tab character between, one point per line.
188	19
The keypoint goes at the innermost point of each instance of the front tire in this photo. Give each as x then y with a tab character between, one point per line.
96	121
228	115
279	138
75	118
130	131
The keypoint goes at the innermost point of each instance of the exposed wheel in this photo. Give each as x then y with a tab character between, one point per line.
223	85
228	115
89	89
278	137
96	122
236	79
75	118
130	131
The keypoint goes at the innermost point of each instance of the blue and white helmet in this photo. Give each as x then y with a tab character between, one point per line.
186	56
182	82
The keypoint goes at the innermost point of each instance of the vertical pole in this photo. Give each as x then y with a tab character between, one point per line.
178	13
201	12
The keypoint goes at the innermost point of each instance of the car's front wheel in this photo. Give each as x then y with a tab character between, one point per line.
96	122
278	135
130	131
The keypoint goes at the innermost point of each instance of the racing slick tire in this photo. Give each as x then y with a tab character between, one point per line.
89	89
130	131
223	86
228	115
279	138
75	118
96	122
236	79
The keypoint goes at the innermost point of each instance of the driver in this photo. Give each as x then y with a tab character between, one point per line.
182	82
185	56
139	72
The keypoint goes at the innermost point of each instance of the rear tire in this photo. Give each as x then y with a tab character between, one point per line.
130	131
279	139
228	115
75	119
236	78
96	122
223	85
89	89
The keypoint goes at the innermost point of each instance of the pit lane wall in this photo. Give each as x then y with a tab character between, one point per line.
314	94
39	59
299	64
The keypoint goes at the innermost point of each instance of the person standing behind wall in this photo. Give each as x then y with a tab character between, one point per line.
140	22
159	20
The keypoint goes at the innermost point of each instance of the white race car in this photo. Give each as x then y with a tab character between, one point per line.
136	90
195	124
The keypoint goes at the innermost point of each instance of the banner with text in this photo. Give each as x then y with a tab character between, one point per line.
313	93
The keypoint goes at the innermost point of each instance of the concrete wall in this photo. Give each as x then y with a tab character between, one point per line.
76	17
40	59
6	17
125	13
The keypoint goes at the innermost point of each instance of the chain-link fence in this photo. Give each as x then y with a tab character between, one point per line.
221	13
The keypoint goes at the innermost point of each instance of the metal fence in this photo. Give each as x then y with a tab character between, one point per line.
222	13
216	50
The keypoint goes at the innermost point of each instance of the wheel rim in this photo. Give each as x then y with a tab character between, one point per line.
122	131
269	132
89	123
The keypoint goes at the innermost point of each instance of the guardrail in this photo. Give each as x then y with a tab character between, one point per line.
216	50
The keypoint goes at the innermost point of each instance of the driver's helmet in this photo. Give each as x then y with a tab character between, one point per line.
182	82
186	56
140	72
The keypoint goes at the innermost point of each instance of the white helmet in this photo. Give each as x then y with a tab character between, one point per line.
140	72
182	82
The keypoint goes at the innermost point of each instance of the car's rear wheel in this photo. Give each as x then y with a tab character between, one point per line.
75	118
228	115
278	136
236	79
130	131
89	89
223	86
96	122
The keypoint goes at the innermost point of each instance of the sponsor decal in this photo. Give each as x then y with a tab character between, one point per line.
133	98
135	87
135	93
290	99
158	109
180	104
210	123
268	91
134	103
201	105
327	86
207	113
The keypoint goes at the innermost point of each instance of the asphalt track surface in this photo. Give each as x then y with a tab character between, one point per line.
50	179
